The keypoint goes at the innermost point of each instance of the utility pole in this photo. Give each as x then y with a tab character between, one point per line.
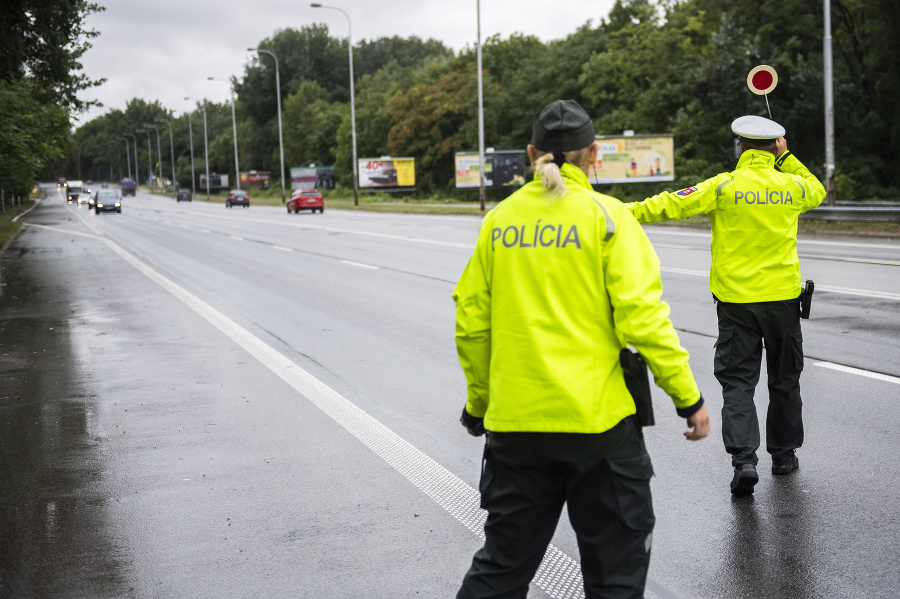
829	108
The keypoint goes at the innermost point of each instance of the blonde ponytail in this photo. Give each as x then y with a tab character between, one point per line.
550	176
549	173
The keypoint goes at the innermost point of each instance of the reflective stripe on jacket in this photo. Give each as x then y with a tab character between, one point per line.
551	294
753	211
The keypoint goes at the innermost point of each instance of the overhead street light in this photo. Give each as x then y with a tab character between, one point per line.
205	144
137	175
158	151
352	100
481	177
237	169
149	157
127	154
278	101
171	149
191	137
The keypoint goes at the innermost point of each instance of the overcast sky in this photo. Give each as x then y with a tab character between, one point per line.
165	49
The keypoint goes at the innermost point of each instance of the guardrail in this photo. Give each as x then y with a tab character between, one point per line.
867	213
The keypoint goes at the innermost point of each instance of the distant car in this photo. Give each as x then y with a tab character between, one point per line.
73	190
85	196
60	182
306	199
129	187
107	200
104	185
237	197
184	194
89	182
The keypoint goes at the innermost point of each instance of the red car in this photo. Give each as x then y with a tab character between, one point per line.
306	199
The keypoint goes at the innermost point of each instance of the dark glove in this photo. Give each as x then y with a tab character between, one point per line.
474	425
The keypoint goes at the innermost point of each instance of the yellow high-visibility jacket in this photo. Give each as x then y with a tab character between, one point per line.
550	296
753	211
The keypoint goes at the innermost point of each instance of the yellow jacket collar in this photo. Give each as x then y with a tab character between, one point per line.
757	159
572	174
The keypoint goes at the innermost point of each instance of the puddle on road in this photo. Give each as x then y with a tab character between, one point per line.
53	521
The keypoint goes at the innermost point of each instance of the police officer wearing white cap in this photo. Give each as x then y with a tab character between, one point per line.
755	279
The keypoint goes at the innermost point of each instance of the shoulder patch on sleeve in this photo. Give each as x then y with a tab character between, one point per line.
686	192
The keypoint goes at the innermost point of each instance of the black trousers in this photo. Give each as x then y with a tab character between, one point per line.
527	477
744	329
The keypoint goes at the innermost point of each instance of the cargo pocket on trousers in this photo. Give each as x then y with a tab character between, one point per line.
797	349
723	351
630	479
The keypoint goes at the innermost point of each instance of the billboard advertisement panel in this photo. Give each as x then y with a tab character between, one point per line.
502	169
255	179
387	172
216	181
303	178
634	159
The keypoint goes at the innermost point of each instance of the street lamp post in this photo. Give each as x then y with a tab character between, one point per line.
158	151
352	101
149	157
480	114
205	147
127	154
191	138
137	172
278	100
829	108
237	170
171	149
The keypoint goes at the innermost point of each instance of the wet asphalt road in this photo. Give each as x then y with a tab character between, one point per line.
156	439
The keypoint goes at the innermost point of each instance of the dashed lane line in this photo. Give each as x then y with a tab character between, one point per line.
859	372
827	288
359	264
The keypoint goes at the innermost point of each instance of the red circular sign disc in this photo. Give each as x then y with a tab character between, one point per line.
762	80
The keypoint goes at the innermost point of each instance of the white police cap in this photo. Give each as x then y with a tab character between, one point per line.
757	127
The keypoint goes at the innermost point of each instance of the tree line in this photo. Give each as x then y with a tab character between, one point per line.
652	66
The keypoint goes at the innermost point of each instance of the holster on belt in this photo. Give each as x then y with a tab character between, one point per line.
638	382
806	299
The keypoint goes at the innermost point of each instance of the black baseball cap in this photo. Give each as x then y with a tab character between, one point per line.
562	126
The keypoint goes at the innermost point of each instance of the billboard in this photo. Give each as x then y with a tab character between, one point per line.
312	177
303	178
634	159
216	181
387	172
501	169
255	179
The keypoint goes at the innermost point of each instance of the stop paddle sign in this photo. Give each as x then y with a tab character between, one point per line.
762	79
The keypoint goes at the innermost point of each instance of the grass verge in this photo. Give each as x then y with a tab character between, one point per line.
8	228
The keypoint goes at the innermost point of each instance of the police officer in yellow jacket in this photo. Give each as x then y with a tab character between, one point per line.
562	278
755	278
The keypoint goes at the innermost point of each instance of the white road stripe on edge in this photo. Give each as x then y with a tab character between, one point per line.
859	371
826	288
359	264
657	231
559	574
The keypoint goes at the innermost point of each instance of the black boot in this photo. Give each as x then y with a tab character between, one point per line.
745	478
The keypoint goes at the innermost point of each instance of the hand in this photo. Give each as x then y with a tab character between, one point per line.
780	146
474	426
699	422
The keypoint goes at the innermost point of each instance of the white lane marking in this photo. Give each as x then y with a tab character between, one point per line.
201	230
559	574
655	231
827	288
236	238
282	248
33	206
859	371
351	263
63	231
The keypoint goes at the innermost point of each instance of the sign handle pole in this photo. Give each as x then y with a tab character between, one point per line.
767	106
